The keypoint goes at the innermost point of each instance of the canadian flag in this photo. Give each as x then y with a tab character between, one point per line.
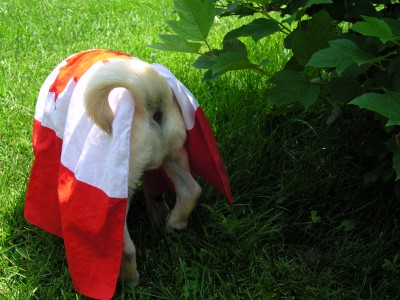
78	187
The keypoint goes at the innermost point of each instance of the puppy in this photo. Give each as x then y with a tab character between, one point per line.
157	139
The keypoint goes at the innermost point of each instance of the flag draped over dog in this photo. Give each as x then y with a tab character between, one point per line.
78	187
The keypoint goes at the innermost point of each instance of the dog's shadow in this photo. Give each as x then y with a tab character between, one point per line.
142	229
153	244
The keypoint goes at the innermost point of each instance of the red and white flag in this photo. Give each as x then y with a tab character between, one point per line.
78	187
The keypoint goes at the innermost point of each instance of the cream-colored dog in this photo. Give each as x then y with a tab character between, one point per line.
157	139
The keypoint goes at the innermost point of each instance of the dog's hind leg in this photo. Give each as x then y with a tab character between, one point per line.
186	188
128	269
156	208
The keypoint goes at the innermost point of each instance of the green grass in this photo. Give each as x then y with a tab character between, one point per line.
303	226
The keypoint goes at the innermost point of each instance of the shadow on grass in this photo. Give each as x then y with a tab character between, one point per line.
303	225
33	261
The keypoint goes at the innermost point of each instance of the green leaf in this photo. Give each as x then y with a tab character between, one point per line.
394	147
312	36
262	2
396	163
312	2
298	8
257	29
387	105
291	87
336	56
230	8
230	61
341	90
264	62
394	25
204	62
176	43
303	4
314	217
384	171
341	55
209	76
222	63
234	46
348	225
171	38
196	18
374	27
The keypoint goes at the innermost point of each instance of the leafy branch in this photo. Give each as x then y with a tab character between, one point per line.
352	50
195	20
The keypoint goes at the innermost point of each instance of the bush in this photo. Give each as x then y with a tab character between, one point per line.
343	52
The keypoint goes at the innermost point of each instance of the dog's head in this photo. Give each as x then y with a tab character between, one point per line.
158	119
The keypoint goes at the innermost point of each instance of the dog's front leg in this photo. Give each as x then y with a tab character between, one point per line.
186	188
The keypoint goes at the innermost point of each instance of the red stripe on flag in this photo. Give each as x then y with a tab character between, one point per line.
205	159
41	205
78	64
91	223
93	227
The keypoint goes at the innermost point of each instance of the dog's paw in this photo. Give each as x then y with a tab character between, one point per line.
175	229
134	281
177	222
129	284
130	281
128	273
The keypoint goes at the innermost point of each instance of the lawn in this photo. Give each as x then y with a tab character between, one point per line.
303	225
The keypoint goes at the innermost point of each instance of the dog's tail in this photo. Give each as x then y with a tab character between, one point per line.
142	81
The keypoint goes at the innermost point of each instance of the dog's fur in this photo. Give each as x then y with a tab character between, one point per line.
157	138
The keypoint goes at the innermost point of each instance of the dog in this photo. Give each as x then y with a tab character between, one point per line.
157	139
103	121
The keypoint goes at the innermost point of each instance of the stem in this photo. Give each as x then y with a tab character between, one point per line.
284	28
208	46
396	42
379	66
258	70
